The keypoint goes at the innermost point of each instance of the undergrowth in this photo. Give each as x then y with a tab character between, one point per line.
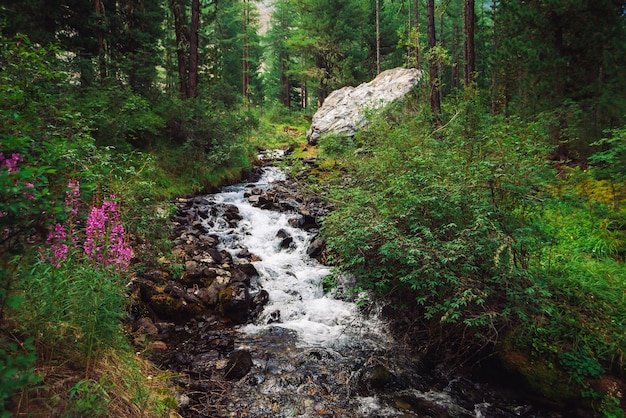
478	238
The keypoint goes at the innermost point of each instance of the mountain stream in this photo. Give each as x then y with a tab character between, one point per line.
321	354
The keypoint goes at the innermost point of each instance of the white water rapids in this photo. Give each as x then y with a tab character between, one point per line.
292	279
315	355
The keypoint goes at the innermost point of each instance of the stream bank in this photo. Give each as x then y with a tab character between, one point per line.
245	337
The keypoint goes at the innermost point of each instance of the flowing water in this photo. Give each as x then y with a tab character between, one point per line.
316	355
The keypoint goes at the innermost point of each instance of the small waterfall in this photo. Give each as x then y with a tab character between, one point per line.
292	279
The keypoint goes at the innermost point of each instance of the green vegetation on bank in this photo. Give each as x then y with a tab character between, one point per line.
487	244
84	175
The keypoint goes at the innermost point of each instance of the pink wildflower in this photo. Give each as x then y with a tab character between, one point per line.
58	246
104	242
11	163
72	197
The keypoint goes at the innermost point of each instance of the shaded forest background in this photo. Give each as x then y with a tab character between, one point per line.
488	207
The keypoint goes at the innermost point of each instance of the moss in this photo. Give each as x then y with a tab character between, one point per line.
541	376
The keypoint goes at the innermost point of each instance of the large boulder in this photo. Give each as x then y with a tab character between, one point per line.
344	110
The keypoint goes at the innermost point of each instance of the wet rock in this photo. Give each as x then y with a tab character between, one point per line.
285	239
235	302
249	270
296	222
261	298
316	248
215	255
210	295
210	241
374	376
166	306
239	276
274	317
239	364
193	269
146	326
231	213
288	205
200	201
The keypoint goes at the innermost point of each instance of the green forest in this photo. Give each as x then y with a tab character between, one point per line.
487	208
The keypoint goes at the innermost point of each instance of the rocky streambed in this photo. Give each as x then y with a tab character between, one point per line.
248	330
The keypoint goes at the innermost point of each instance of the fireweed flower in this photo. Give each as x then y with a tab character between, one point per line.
72	204
11	163
57	239
104	236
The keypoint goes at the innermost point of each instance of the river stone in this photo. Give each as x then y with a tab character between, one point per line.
210	297
235	302
316	248
249	270
239	364
375	376
146	326
193	269
286	239
344	110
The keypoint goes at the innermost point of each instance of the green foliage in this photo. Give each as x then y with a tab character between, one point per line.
44	144
447	219
75	304
608	164
87	398
469	227
119	117
580	366
17	372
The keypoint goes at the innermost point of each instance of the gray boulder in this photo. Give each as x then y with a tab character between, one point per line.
344	110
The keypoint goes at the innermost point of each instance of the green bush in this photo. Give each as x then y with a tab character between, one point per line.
446	218
474	235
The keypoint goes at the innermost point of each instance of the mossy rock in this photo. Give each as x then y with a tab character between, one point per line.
541	377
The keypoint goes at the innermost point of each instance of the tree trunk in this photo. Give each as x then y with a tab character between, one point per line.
245	63
469	54
100	36
285	84
377	37
416	25
181	46
494	73
435	99
193	48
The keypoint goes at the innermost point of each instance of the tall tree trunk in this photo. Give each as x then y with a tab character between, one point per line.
193	48
494	72
456	55
245	63
377	37
416	25
100	37
181	45
469	54
285	85
435	98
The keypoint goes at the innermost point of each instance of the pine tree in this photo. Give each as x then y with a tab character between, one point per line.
331	39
